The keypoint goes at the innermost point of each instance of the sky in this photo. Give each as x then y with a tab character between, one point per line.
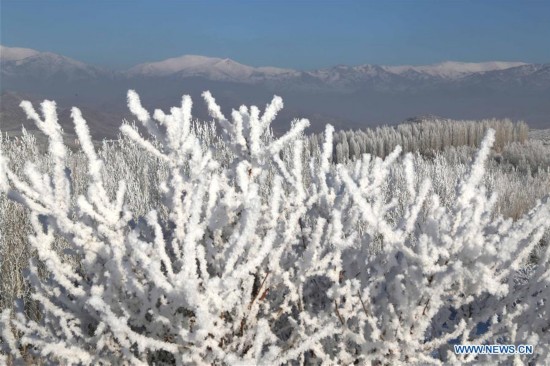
297	34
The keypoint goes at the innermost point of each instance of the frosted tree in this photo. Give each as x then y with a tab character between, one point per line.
267	257
429	135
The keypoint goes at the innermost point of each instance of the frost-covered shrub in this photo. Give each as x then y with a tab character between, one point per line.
517	192
532	157
255	256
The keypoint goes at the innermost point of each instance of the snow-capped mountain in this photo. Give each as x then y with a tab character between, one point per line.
217	68
28	63
228	70
452	70
212	68
401	78
15	53
346	96
530	76
24	62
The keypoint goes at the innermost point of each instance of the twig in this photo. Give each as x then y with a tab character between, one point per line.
362	303
259	291
338	313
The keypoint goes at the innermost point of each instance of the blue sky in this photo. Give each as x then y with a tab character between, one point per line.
297	34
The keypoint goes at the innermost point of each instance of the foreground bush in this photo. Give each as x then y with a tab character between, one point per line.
249	262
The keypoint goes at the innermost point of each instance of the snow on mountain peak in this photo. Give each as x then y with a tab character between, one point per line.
452	69
16	53
211	67
42	65
187	63
225	69
26	55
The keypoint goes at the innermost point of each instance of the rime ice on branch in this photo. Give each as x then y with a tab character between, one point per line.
249	261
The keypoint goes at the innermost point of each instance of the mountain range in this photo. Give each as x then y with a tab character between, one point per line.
346	96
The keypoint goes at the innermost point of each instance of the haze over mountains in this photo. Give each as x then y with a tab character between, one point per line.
346	96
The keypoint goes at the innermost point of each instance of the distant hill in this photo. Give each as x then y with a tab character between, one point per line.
346	96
